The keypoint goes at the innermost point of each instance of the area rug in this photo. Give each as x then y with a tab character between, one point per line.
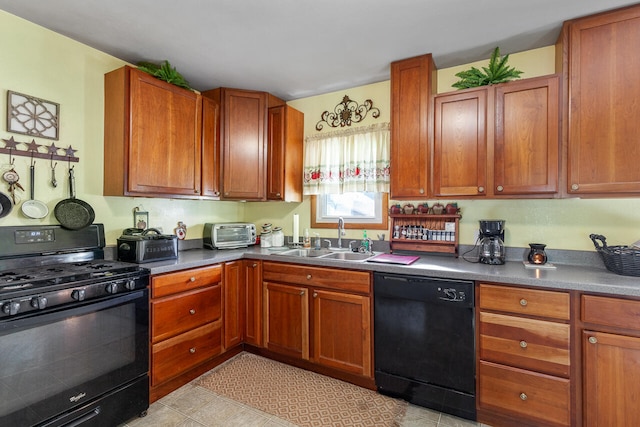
301	397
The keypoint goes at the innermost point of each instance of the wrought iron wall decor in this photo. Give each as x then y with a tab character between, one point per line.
347	112
32	150
32	116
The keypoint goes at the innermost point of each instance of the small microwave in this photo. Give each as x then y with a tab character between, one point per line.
229	235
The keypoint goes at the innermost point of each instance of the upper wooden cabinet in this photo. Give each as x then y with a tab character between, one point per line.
459	164
256	130
210	148
601	61
413	82
152	137
500	140
284	153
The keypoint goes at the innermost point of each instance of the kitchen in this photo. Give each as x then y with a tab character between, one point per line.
78	72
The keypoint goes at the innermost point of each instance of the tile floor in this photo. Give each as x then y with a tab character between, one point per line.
195	406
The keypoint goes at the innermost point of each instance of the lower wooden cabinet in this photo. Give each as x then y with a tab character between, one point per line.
233	290
524	352
322	315
253	302
186	325
611	357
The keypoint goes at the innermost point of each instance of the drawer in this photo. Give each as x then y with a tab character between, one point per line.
179	313
608	311
531	302
523	393
177	355
186	280
331	278
537	345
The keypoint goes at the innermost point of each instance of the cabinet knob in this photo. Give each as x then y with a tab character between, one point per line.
523	344
308	277
524	302
315	295
575	186
301	292
192	279
593	340
192	311
216	193
277	194
523	396
192	350
480	189
254	265
421	191
499	188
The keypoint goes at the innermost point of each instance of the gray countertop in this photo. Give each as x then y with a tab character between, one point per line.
594	278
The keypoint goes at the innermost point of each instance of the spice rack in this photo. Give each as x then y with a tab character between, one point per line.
425	233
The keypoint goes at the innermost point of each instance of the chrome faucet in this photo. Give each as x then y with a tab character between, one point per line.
340	231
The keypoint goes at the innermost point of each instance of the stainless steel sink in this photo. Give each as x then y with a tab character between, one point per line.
347	256
305	252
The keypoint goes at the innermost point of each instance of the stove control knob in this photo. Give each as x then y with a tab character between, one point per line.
11	308
78	294
39	302
112	288
130	285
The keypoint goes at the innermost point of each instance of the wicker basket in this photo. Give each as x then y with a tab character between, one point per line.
621	260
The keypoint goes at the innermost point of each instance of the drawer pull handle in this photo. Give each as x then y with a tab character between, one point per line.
523	344
192	350
192	311
524	302
523	396
192	279
308	277
593	340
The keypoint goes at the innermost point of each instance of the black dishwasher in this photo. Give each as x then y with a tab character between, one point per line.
425	342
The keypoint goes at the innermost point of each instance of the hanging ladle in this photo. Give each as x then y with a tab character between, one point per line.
54	182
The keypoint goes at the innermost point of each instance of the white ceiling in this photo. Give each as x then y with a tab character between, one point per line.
300	48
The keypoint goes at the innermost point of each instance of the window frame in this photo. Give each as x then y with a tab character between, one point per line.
351	224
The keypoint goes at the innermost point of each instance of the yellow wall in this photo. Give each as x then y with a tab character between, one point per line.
44	64
38	62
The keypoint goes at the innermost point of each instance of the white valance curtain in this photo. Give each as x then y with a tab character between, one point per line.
351	160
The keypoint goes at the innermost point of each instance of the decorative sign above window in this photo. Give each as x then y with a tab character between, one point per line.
32	116
346	113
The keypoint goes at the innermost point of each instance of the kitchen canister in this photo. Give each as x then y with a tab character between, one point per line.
277	237
266	239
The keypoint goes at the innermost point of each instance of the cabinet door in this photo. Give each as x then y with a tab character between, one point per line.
527	137
412	83
459	158
210	148
342	331
286	319
253	302
604	89
233	325
284	154
243	142
611	379
164	147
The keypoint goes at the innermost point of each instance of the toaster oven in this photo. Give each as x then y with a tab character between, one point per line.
229	235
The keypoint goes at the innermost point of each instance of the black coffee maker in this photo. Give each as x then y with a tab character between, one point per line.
492	250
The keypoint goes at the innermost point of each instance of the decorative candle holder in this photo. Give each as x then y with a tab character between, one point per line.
537	254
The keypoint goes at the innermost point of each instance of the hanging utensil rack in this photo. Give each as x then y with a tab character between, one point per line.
11	148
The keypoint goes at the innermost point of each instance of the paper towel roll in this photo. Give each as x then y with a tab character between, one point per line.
296	228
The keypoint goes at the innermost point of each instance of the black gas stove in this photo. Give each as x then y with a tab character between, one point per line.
44	267
74	330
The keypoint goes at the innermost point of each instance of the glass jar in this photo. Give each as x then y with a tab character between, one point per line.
536	254
277	237
265	239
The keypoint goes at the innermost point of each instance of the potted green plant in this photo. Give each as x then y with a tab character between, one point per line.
496	72
164	72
